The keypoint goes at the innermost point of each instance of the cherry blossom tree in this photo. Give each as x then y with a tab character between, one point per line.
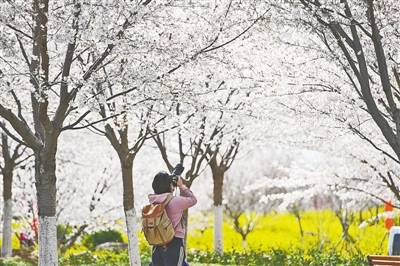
199	140
208	138
243	209
60	34
146	84
221	150
11	159
117	133
192	153
361	38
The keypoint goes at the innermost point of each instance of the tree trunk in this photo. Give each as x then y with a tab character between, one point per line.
218	238
218	212
6	248
133	241
7	172
244	242
45	175
48	241
130	212
298	218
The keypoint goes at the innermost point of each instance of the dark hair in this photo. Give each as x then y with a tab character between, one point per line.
162	183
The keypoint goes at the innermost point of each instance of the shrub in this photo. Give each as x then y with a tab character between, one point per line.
100	257
84	258
63	232
14	262
99	237
254	258
277	258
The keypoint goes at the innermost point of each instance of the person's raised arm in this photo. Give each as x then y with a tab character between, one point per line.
186	198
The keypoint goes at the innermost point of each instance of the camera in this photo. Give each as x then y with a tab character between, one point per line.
176	173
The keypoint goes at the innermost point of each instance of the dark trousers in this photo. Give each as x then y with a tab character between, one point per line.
171	255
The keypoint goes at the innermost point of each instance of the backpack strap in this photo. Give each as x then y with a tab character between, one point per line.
167	200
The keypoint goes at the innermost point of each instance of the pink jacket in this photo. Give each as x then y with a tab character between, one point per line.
176	207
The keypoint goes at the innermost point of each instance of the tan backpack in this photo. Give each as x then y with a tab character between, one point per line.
156	225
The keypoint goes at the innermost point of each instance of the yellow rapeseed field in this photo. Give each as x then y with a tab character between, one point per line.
281	231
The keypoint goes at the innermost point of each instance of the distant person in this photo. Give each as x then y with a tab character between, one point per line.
173	253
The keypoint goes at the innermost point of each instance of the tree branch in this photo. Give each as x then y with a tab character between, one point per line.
19	31
21	46
89	124
29	139
238	36
66	97
19	107
71	126
380	56
362	136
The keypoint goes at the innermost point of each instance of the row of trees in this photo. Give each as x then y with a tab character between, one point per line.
142	71
355	61
112	67
360	38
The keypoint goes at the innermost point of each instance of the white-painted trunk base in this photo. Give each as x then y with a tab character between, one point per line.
48	241
132	229
6	248
218	221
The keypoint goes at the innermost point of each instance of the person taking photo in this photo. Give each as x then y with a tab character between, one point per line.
173	252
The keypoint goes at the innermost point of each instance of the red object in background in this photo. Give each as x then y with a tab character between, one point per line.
388	206
23	237
389	221
34	226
